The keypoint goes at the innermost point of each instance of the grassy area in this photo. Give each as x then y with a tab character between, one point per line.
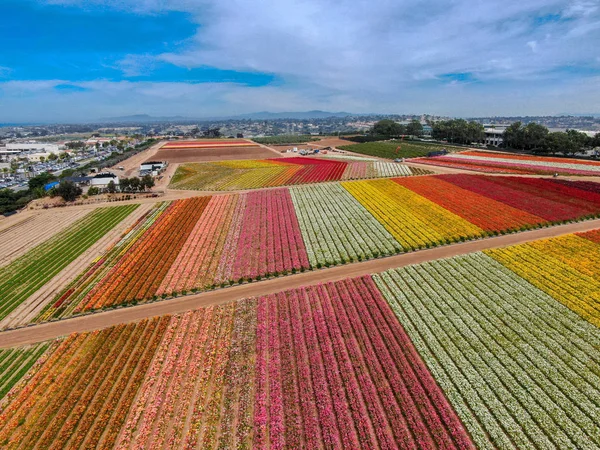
25	275
285	139
387	149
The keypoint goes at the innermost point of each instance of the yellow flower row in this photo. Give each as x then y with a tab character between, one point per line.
558	276
255	178
412	219
245	164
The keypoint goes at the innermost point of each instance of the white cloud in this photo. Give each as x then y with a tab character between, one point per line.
374	55
532	45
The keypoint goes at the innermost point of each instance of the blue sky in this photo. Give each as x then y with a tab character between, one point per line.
67	60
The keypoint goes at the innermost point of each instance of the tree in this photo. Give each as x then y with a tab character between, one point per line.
534	135
64	155
41	180
93	190
595	142
42	159
530	137
134	183
387	128
52	157
75	145
414	128
147	182
580	140
111	187
458	131
124	184
68	190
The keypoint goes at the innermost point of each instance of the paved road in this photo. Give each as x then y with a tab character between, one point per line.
99	320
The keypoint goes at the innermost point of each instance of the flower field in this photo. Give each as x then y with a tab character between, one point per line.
474	351
214	241
336	228
318	367
508	163
253	174
520	369
26	274
16	362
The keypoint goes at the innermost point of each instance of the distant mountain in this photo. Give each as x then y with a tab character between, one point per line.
316	114
580	114
264	115
143	118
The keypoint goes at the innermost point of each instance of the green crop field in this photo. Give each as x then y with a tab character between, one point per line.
387	149
30	272
285	139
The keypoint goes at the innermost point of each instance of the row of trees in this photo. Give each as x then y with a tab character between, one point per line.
458	131
537	138
133	184
390	129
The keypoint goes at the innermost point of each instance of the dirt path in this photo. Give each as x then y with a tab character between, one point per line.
38	333
131	165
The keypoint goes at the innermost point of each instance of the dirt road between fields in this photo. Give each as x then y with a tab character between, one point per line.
47	331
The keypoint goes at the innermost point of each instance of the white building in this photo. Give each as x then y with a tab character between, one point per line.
493	134
102	179
36	147
152	167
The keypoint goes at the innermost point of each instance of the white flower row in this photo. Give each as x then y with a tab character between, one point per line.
390	169
514	362
336	227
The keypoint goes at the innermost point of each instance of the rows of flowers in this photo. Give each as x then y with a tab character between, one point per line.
551	206
139	273
492	162
413	220
77	289
28	273
252	174
336	228
15	363
481	210
519	368
83	391
325	366
473	351
208	242
565	268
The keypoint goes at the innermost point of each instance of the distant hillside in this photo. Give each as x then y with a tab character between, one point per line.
264	115
316	114
143	118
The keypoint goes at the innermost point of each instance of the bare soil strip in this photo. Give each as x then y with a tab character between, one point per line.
213	154
46	331
21	237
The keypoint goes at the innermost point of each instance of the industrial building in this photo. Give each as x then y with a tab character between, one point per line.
493	134
152	167
33	147
102	179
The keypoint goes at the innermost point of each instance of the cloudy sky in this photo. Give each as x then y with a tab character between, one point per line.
66	60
